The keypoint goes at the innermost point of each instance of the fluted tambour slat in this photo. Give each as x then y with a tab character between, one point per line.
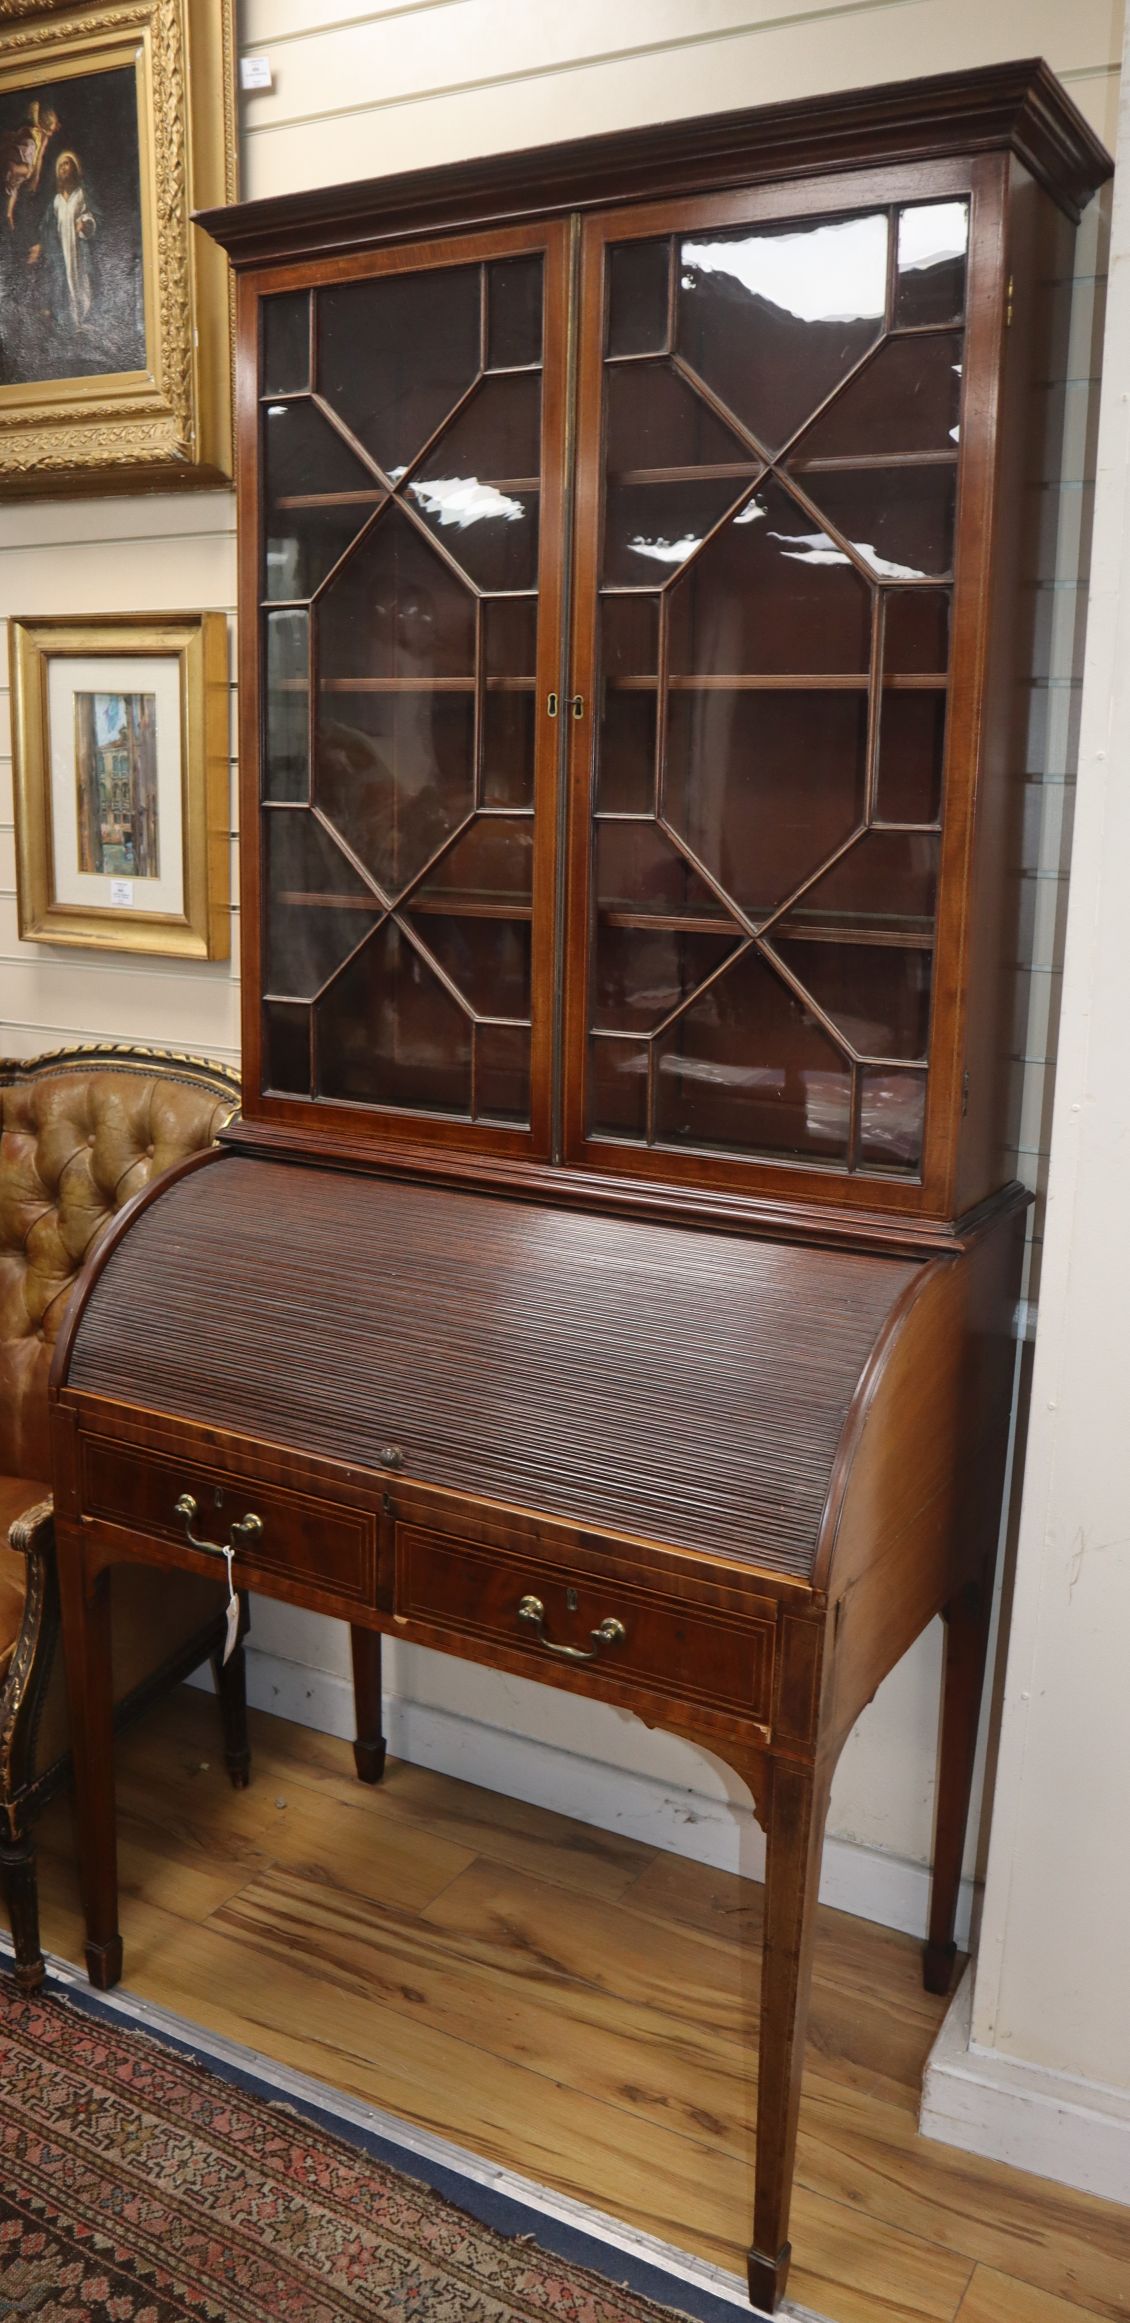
686	1387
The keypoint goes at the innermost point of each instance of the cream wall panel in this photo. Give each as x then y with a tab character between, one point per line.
482	77
1092	247
160	517
419	56
1068	515
1041	904
264	23
1084	353
1096	94
96	1001
1059	616
1034	1126
374	60
1053	733
1075	409
136	575
430	51
1049	819
1050	1987
25	1042
273	24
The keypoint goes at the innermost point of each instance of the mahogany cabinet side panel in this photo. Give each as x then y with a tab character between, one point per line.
919	1507
1039	255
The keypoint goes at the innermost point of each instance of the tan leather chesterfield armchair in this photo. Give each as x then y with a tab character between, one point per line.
81	1132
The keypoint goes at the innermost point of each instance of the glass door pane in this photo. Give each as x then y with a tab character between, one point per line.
780	409
410	623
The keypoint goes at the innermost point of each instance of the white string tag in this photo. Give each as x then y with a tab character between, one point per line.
232	1631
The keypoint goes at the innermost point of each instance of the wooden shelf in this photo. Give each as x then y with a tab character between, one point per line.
302	899
457	905
470	907
752	469
680	923
831	463
371	496
694	472
784	682
722	682
902	939
407	685
905	938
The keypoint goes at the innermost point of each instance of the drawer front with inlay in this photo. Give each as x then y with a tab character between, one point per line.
274	1532
567	1619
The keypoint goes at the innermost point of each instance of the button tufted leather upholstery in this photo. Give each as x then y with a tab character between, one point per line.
16	1494
80	1134
77	1139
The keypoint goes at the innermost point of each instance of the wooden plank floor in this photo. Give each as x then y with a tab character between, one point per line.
571	2004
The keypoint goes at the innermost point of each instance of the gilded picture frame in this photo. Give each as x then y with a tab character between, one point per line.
121	763
117	120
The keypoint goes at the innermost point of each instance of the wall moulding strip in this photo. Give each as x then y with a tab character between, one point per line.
1074	2132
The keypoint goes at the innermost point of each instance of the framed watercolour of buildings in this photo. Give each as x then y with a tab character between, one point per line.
120	746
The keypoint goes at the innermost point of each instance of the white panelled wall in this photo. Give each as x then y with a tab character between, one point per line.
1034	2063
358	90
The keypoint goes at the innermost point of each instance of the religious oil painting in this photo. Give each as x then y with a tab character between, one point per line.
116	117
116	767
72	298
122	765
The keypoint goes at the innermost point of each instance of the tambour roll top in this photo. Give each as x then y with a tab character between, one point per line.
485	1341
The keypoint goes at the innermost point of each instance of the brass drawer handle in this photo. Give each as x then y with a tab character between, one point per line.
247	1528
608	1632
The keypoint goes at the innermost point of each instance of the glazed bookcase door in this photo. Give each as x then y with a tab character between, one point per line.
408	445
771	811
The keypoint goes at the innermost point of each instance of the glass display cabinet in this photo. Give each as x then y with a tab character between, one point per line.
611	1276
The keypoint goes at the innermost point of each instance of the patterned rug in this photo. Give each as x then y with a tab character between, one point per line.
137	2187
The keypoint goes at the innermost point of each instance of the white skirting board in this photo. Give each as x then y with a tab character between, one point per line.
863	1880
1075	2132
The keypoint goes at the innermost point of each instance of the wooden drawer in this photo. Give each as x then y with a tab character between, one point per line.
667	1644
303	1537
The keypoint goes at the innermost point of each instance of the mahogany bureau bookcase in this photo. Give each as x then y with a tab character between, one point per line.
611	1275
